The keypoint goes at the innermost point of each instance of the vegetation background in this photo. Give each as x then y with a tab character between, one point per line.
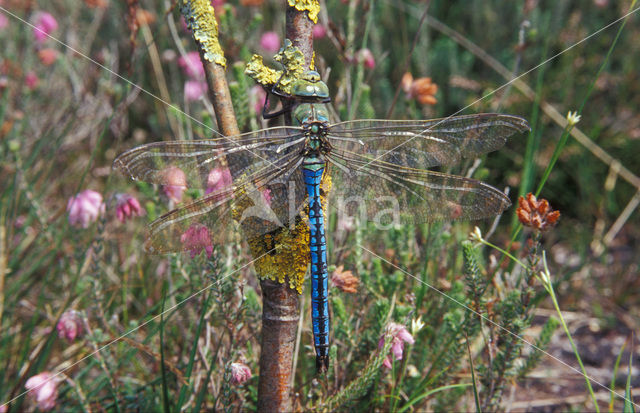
69	106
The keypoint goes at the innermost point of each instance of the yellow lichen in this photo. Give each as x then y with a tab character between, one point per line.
291	59
201	20
283	252
262	74
289	256
311	6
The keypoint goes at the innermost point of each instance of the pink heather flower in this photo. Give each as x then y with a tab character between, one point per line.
70	325
400	336
240	373
196	239
175	183
84	208
366	56
218	179
44	24
43	389
48	56
266	195
127	206
270	41
4	21
258	95
192	65
319	31
184	25
345	222
194	90
31	80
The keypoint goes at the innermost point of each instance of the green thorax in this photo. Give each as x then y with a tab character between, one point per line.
312	114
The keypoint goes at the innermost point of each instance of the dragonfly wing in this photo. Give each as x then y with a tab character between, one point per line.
423	144
387	194
240	156
259	206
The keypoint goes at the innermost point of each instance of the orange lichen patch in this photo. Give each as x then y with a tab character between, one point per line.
345	280
536	214
421	89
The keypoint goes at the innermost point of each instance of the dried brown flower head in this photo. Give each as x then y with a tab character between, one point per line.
144	17
102	4
345	280
536	214
421	89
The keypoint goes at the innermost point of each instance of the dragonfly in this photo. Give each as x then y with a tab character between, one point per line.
272	178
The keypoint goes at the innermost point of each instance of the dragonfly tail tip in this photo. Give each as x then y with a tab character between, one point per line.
322	364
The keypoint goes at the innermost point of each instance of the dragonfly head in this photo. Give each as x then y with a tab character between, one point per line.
310	87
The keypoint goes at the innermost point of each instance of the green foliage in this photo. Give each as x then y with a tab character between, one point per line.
542	342
60	137
240	96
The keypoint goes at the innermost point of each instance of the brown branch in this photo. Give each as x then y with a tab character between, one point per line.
220	98
280	313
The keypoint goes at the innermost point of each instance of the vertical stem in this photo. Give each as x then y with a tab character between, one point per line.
280	311
280	316
299	31
220	98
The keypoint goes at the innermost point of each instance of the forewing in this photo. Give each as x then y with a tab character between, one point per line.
387	194
422	144
243	155
258	207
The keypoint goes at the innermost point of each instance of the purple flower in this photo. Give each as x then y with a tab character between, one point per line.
218	179
194	90
400	336
345	222
84	208
31	80
70	325
127	206
240	373
192	65
44	24
267	196
365	55
45	390
4	21
258	95
319	31
196	239
175	183
270	41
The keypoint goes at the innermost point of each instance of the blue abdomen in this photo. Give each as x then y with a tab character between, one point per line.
319	276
